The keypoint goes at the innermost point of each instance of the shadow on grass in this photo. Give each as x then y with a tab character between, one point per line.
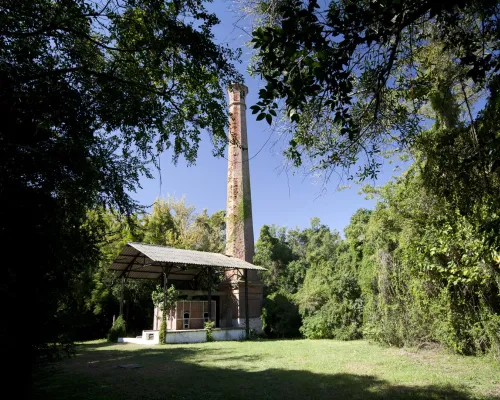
182	373
88	346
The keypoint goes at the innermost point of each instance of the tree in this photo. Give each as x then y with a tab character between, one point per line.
351	77
460	163
274	253
90	93
428	274
174	223
355	232
171	222
102	297
159	226
330	299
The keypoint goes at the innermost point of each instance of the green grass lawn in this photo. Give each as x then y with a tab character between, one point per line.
288	369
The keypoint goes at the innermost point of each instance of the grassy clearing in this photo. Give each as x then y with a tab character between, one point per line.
299	369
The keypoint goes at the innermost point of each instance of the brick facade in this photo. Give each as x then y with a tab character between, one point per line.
239	224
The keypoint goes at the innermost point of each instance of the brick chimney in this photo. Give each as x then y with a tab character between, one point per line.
239	228
239	223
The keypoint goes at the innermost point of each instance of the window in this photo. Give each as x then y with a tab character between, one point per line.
186	320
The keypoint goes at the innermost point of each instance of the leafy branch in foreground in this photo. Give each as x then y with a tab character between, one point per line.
350	73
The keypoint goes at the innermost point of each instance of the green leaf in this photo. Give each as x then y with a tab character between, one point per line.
255	109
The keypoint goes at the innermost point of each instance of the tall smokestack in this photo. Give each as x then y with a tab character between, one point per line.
239	231
239	223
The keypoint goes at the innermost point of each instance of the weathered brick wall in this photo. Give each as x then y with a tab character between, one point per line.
239	231
239	228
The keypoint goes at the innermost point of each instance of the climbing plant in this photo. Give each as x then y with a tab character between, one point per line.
166	301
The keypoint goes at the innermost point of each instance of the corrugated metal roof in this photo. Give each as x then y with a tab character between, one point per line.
139	260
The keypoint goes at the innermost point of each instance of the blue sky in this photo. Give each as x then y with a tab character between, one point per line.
278	198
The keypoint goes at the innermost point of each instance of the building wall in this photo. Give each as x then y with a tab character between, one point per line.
228	334
233	305
175	321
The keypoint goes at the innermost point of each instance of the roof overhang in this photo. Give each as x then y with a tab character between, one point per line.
148	261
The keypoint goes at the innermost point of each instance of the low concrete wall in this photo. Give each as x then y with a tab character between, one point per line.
136	341
191	336
187	336
228	334
151	336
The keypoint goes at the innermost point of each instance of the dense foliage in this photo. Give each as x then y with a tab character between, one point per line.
280	316
412	272
171	222
314	285
356	80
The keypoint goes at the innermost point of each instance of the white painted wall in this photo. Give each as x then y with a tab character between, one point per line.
147	334
191	336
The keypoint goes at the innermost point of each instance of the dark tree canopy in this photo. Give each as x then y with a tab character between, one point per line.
90	93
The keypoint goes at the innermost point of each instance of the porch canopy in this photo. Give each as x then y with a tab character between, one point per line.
148	261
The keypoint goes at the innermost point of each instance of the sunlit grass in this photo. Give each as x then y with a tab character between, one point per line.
300	369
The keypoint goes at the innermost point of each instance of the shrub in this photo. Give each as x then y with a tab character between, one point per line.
50	352
280	316
330	302
119	329
209	326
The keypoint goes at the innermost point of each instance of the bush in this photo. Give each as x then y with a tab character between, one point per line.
209	326
330	302
119	329
50	352
334	320
280	316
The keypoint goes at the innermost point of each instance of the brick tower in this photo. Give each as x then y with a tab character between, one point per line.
239	223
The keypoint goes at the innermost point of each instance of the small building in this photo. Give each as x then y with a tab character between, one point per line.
234	309
236	303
